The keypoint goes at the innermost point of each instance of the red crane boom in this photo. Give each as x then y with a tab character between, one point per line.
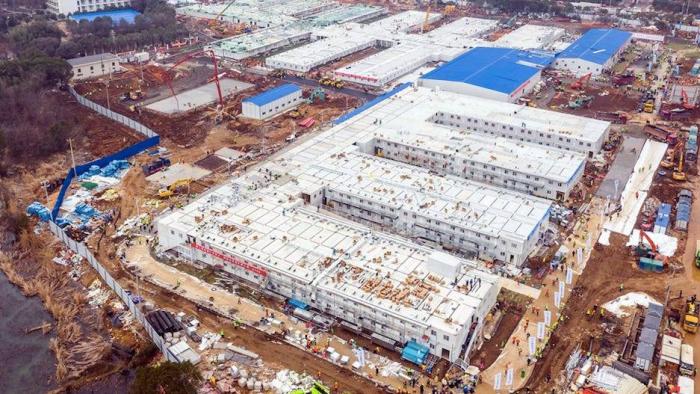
209	53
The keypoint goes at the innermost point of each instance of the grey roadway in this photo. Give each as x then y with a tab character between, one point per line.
364	96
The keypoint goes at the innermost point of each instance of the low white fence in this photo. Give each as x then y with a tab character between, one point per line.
82	250
136	126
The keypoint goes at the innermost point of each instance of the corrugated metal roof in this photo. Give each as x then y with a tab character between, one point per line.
501	69
597	45
92	59
645	351
272	94
655	309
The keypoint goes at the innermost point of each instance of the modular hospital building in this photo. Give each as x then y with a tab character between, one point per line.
272	102
594	52
349	224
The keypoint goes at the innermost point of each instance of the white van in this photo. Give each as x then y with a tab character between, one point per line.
687	364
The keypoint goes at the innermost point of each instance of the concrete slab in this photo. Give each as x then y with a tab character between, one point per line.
176	172
198	97
621	169
229	154
637	187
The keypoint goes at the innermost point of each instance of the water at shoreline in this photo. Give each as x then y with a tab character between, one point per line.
28	366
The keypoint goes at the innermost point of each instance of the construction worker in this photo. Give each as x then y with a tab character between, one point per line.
622	287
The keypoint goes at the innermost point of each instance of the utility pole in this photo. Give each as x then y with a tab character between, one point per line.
45	184
72	156
107	86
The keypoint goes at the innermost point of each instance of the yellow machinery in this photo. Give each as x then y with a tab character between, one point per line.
649	106
174	187
297	113
334	83
679	174
427	17
450	9
669	160
690	319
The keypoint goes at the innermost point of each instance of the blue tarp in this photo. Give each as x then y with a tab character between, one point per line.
273	94
101	162
648	264
415	352
39	210
663	215
371	103
597	45
112	169
298	303
85	212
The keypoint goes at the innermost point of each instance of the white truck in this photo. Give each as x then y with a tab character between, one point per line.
687	366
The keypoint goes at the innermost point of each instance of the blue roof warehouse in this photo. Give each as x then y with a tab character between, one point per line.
496	73
594	52
272	102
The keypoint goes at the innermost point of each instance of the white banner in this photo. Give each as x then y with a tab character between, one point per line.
561	288
532	345
497	381
509	377
579	256
569	276
540	330
588	243
557	299
547	317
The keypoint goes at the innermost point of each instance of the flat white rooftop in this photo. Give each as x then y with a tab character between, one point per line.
322	51
458	30
403	22
379	66
340	256
248	43
481	208
535	160
411	51
413	107
252	12
530	37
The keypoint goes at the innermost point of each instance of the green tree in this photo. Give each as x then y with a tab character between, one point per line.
168	377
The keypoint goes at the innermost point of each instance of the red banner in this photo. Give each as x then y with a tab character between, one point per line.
230	259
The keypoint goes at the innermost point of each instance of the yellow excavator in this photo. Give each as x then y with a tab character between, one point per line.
679	174
174	187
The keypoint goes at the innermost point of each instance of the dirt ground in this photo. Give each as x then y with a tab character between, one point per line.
607	268
491	349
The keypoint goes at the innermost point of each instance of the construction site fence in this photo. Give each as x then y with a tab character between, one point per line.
82	250
117	117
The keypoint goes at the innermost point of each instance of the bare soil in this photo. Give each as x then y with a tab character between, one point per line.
607	268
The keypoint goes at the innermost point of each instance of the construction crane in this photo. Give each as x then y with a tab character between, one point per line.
214	23
679	174
210	53
641	249
686	102
581	82
424	27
